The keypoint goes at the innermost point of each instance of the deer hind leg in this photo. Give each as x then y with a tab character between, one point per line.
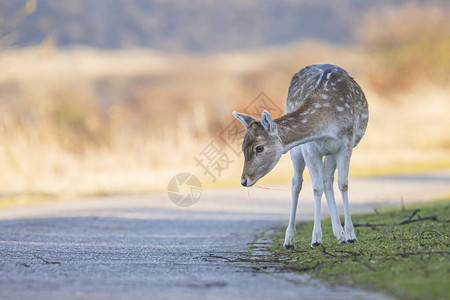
315	167
297	181
343	165
328	178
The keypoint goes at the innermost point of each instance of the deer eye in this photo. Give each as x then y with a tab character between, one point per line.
259	149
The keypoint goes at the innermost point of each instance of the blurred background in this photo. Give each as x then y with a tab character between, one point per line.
114	96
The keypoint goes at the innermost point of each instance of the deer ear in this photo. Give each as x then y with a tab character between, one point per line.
245	119
267	122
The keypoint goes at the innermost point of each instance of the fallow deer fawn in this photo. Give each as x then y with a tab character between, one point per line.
327	115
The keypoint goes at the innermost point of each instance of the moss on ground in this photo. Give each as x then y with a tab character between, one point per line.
407	260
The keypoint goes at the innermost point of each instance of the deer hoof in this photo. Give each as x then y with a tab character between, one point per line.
288	247
351	241
315	244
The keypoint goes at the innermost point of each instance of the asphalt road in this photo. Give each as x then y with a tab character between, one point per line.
144	247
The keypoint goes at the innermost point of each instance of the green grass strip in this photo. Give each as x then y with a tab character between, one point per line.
402	252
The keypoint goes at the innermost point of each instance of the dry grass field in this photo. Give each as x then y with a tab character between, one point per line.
80	120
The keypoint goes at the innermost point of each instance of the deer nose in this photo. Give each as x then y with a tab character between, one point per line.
244	181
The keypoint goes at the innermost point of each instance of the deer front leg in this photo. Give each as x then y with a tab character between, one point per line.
289	238
343	165
297	181
315	168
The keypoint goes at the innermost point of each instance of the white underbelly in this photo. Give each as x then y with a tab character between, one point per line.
325	146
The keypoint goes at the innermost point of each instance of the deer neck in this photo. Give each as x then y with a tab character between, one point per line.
299	127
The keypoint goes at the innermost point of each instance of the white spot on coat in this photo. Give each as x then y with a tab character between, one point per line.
296	92
324	96
318	80
339	108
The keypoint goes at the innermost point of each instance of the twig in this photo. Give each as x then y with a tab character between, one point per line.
411	220
410	217
413	214
248	194
299	251
324	251
406	254
268	188
429	231
367	225
221	257
378	214
407	221
367	264
303	269
349	252
46	261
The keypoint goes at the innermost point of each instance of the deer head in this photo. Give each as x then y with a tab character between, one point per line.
262	146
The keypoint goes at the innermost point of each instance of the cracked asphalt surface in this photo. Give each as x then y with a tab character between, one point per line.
143	247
